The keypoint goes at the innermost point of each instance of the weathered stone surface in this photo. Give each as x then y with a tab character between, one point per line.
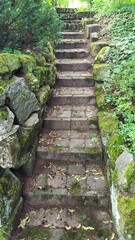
21	100
6	120
10	188
2	99
125	168
9	149
32	81
101	72
95	47
102	55
12	61
94	36
43	94
31	121
28	63
29	160
92	28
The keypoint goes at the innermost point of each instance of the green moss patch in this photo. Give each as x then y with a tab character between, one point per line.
77	235
126	207
101	72
75	188
35	233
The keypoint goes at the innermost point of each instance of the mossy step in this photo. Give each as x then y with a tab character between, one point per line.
75	82
71	145
66	10
73	35
67	184
74	65
68	117
72	53
72	26
66	224
71	44
74	75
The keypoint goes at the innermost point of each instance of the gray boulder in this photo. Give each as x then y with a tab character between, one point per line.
9	148
21	100
6	120
125	169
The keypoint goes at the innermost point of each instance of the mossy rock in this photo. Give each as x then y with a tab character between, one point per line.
3	66
101	72
28	63
41	73
108	124
95	47
126	208
12	61
100	97
43	94
40	59
102	55
11	224
78	235
32	82
10	188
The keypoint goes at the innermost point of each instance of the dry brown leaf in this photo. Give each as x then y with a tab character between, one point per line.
71	210
24	222
67	227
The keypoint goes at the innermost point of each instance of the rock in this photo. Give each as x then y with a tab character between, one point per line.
31	121
87	21
92	28
40	59
47	75
95	47
12	222
6	120
41	74
29	159
28	63
9	149
102	55
101	72
3	66
12	61
21	100
32	81
10	188
43	94
94	36
125	169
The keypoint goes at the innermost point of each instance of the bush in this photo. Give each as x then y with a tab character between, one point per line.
28	23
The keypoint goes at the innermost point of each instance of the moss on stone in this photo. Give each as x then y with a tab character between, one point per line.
43	94
101	72
28	63
3	113
12	61
3	66
129	174
35	233
93	121
107	123
95	47
41	73
102	55
77	235
93	150
32	81
115	176
100	96
126	207
75	188
114	145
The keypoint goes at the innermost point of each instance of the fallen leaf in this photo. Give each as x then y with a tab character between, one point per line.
52	227
110	221
67	227
78	226
23	222
71	210
88	228
46	226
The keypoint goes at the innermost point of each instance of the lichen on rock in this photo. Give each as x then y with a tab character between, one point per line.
102	55
101	72
95	47
28	63
32	81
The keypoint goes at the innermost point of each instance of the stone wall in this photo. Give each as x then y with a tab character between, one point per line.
25	85
120	165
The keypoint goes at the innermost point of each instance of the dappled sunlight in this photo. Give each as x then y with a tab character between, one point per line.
77	4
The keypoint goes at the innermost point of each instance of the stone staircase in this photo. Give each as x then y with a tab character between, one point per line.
67	197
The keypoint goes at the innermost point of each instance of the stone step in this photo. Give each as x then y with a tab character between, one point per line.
73	145
72	53
74	65
71	44
74	81
73	35
67	184
66	10
71	118
72	25
73	96
73	75
67	224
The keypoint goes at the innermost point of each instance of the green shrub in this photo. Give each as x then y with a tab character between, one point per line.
28	23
